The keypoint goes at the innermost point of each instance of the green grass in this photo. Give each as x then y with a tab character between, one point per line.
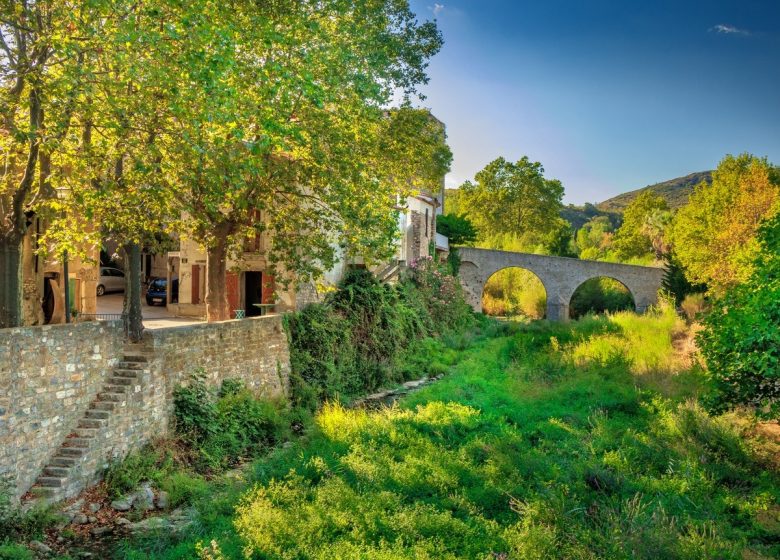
544	441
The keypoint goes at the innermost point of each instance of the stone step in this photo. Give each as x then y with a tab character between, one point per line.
58	472
51	481
72	451
135	366
48	494
78	442
87	432
92	423
117	380
60	461
116	388
104	405
109	396
136	358
130	373
97	414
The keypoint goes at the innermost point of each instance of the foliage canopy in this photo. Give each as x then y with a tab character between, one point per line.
741	338
714	235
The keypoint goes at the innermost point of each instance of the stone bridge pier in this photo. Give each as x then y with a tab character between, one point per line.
560	276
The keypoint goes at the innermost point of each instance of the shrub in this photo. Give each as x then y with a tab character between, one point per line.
151	464
193	408
356	340
222	427
694	305
10	551
741	337
17	524
184	488
514	291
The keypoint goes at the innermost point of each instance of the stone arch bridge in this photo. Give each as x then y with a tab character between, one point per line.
560	276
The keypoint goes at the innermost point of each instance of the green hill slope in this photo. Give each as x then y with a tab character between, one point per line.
675	191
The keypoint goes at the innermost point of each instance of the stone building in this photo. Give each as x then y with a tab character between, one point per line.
251	288
417	226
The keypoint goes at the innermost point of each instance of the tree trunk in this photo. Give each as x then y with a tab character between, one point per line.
217	308
134	325
10	282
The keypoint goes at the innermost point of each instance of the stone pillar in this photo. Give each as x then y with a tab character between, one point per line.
472	282
556	311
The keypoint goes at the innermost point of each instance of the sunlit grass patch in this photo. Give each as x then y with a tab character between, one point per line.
641	343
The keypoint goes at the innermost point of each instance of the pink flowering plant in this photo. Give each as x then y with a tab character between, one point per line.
441	291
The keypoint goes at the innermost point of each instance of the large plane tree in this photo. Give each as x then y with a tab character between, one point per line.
282	115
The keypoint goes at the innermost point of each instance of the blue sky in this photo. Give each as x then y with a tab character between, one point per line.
608	95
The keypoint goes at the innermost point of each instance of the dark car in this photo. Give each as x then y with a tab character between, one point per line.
156	293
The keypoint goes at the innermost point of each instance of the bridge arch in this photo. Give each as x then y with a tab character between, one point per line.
501	287
560	276
600	294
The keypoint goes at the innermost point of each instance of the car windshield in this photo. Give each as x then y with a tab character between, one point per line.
158	284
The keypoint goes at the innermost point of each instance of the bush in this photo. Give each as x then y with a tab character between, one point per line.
184	488
10	551
355	341
151	464
514	291
694	305
19	525
228	425
741	337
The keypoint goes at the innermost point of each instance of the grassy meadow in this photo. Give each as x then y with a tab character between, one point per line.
542	441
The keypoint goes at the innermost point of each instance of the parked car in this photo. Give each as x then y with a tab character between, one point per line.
157	292
111	280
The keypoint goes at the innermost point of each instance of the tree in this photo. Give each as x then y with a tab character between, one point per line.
112	167
654	229
675	281
458	229
513	200
38	93
558	240
282	131
714	235
594	238
633	237
741	337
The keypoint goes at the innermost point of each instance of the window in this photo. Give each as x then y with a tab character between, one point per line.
426	222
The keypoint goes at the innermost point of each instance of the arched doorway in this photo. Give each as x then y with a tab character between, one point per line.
600	294
514	291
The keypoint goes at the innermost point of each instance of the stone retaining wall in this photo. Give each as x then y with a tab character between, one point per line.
254	350
50	376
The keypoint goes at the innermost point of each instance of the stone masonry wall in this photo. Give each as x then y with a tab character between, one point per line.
46	392
48	377
254	350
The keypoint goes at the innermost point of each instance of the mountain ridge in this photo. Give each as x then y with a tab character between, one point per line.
675	191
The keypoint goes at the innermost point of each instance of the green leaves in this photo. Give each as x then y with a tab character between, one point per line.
635	237
741	338
713	236
512	200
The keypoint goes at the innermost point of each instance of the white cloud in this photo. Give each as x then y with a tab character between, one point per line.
437	9
726	29
453	181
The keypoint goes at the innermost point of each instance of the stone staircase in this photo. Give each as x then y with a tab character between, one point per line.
390	272
64	476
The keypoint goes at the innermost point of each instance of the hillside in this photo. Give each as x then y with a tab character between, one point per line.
675	191
578	215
